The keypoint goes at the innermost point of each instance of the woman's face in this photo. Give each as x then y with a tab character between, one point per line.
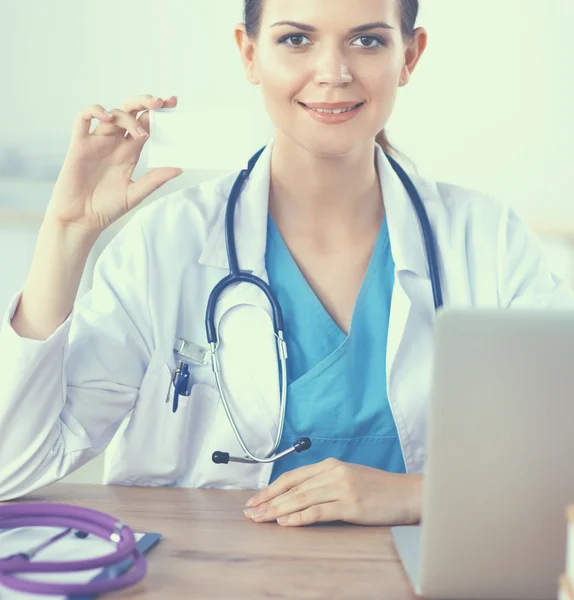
333	51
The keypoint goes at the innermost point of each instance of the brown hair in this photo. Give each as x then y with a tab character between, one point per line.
409	14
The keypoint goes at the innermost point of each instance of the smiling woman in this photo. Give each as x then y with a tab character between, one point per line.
325	224
408	10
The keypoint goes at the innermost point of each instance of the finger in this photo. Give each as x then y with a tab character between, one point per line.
168	103
300	493
292	478
130	106
317	490
122	122
320	513
149	183
143	118
83	122
144	102
294	503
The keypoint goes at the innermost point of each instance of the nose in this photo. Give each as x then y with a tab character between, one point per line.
332	69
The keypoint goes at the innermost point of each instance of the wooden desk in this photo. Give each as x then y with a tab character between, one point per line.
210	550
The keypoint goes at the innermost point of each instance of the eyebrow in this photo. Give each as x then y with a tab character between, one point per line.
359	29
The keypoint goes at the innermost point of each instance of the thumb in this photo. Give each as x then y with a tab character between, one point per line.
149	183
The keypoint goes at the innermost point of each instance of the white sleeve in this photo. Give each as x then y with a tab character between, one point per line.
526	279
63	399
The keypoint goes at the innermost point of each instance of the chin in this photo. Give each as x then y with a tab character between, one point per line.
333	146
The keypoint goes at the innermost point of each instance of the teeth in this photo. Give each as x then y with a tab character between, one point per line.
335	111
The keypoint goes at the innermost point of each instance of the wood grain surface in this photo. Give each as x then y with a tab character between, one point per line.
210	550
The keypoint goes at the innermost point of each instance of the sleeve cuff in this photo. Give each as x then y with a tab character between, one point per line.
7	330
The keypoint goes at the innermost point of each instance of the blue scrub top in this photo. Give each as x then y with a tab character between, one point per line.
337	384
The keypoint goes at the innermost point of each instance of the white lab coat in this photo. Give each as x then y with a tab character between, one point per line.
103	375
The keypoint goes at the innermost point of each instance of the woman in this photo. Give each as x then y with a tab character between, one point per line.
318	218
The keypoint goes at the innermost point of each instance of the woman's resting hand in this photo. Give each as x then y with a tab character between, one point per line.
336	491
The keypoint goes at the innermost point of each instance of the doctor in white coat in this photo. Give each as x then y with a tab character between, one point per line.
322	213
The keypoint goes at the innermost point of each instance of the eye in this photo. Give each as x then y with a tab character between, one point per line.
296	40
366	41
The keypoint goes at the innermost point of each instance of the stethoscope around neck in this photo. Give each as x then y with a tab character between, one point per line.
236	275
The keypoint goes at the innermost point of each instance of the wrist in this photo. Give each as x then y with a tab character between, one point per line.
415	497
77	237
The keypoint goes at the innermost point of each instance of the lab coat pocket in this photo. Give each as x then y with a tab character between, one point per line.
157	446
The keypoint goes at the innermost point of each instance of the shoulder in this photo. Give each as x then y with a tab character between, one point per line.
455	202
453	208
497	247
478	215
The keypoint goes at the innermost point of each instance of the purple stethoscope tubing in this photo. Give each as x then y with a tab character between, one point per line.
73	517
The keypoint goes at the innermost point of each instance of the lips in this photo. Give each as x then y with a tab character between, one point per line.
333	116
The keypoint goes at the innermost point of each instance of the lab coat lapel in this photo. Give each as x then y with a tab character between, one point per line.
243	315
407	249
411	306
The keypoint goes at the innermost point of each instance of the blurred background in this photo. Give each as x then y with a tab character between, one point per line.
489	107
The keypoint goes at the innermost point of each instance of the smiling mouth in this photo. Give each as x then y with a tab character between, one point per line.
332	111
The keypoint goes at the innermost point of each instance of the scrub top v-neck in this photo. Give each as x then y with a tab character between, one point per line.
337	387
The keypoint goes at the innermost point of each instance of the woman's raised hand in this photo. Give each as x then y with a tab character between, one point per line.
94	187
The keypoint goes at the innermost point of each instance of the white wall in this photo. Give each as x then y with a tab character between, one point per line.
489	106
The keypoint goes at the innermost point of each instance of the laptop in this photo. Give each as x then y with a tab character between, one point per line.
500	467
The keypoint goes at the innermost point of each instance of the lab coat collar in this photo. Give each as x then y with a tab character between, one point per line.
405	234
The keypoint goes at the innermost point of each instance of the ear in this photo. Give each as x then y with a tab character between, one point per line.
247	51
413	53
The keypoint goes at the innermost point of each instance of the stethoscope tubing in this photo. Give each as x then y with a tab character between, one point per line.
426	230
70	517
236	276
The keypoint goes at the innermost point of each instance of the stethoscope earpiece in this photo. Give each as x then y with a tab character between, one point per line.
302	444
223	458
220	458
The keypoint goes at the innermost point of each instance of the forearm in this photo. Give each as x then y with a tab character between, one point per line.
53	280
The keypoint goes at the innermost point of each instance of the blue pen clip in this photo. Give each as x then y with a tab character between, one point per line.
181	386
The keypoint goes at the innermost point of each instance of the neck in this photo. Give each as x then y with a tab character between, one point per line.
324	197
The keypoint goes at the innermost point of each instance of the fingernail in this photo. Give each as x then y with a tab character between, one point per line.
254	513
108	113
251	502
142	131
283	520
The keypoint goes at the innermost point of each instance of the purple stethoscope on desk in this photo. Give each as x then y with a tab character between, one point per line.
85	521
181	379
